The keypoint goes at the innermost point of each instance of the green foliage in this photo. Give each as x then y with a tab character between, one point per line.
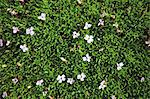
53	39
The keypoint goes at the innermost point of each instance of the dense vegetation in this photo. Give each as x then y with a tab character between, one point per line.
53	48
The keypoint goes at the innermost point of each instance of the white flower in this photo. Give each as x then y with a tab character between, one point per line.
102	85
148	42
29	87
42	16
81	76
44	93
87	26
4	94
13	12
63	59
15	80
39	82
70	81
8	42
15	30
119	66
101	22
30	31
86	58
113	97
142	79
115	25
89	38
24	48
79	1
75	34
61	78
1	43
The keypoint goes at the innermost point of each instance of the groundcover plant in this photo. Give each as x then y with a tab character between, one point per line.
74	49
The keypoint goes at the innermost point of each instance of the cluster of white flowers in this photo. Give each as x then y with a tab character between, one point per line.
62	78
28	31
24	47
87	57
89	39
103	84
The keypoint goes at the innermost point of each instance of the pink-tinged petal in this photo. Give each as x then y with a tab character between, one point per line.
1	43
4	94
142	79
